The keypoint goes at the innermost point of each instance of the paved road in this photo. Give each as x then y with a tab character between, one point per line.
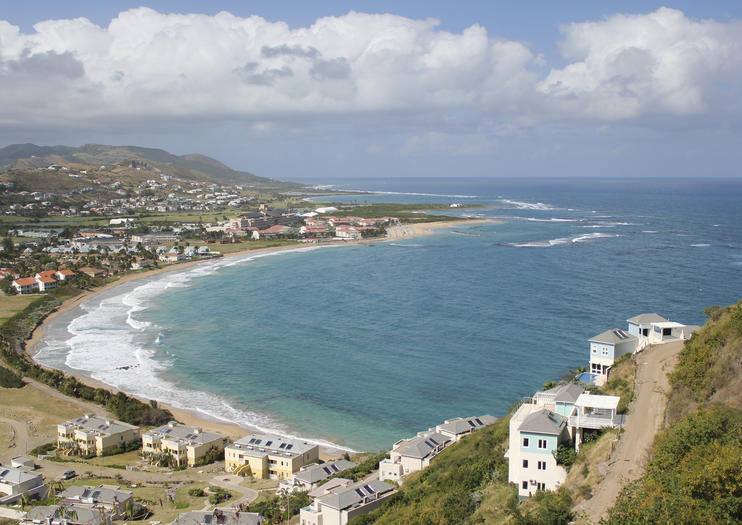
646	417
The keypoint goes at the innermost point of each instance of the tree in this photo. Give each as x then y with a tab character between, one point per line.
8	246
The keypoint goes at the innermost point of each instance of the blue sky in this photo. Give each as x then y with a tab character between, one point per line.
309	91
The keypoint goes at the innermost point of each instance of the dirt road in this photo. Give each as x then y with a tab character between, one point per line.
646	416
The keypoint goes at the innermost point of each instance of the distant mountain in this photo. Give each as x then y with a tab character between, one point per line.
192	166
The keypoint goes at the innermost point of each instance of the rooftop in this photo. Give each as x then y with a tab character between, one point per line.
356	494
421	446
177	432
107	494
16	476
544	422
646	319
462	425
270	443
98	425
612	337
323	471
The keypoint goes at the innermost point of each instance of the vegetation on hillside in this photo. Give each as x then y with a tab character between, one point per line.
408	213
9	379
695	471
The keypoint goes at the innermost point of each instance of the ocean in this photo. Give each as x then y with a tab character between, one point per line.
363	345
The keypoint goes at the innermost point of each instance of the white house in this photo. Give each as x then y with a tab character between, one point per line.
655	329
545	421
459	427
15	482
411	455
345	503
605	348
311	475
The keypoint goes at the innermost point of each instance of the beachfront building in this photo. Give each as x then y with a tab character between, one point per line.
110	498
186	445
459	427
219	517
411	455
266	456
25	285
93	435
310	476
605	348
344	503
15	482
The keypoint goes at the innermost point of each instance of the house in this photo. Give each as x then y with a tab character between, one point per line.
187	445
25	285
103	497
655	329
65	515
15	482
45	283
140	263
605	348
64	275
97	435
535	434
93	272
550	418
269	456
459	427
411	455
345	503
347	233
219	517
22	462
311	475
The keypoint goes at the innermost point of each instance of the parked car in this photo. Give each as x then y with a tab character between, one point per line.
68	475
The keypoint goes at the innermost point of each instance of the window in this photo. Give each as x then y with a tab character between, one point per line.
541	486
525	463
541	465
605	351
525	442
541	443
524	485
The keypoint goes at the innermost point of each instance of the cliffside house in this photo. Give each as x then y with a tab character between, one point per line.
459	427
605	348
548	419
94	435
15	482
411	455
185	444
102	497
266	456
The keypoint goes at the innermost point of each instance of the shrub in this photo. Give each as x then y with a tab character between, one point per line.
9	379
197	493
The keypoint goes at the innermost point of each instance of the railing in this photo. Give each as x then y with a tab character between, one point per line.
592	422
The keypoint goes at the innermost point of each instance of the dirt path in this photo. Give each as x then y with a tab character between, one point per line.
646	416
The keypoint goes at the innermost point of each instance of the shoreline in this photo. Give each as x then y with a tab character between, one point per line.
194	417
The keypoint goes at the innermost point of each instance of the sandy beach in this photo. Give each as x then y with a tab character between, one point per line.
192	417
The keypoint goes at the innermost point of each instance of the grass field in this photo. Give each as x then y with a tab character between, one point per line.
12	304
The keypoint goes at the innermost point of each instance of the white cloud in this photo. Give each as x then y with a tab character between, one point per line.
151	65
627	66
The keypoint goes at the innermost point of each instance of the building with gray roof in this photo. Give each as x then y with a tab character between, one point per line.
411	455
459	427
308	477
95	435
14	482
345	503
108	497
219	517
187	445
65	515
269	456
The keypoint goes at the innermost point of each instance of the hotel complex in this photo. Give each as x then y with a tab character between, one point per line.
187	445
93	435
268	456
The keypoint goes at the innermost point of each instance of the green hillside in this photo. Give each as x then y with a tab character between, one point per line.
190	167
695	472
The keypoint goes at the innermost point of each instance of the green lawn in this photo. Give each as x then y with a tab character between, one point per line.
12	304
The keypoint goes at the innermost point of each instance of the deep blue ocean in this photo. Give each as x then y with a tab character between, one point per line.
367	344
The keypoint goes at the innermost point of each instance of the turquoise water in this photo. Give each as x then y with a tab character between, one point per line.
364	345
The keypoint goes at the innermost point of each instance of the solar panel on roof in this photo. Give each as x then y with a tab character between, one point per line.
269	443
335	468
470	423
479	421
283	445
289	447
360	493
257	441
327	470
429	444
433	441
369	489
252	441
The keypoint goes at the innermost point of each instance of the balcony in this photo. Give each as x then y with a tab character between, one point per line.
597	421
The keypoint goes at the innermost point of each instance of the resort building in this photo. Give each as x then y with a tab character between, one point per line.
103	497
94	435
411	455
548	419
345	503
309	476
268	456
65	515
25	285
459	427
219	517
605	348
187	445
15	482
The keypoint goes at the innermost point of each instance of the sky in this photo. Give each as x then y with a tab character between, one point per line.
323	90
